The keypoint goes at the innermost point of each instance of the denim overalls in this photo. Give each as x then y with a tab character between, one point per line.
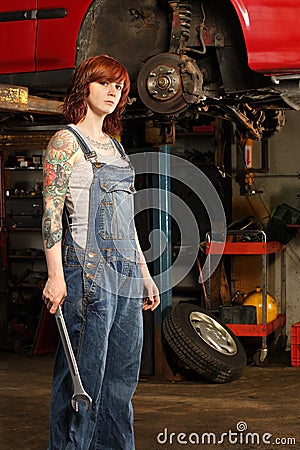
103	314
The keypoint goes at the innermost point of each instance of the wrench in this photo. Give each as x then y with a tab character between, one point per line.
78	393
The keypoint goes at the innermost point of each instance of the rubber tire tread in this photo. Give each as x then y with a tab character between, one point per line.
189	353
195	353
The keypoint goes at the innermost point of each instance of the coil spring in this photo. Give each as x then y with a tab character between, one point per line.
185	16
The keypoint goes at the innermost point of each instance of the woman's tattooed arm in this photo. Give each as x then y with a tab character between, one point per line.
57	172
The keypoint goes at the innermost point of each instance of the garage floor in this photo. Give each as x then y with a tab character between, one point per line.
265	400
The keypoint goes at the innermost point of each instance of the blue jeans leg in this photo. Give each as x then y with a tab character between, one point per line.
115	421
106	335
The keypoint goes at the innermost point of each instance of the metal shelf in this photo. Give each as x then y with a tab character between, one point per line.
26	257
250	330
19	229
243	248
24	169
239	243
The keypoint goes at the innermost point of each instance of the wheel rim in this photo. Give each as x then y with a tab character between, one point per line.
159	84
213	333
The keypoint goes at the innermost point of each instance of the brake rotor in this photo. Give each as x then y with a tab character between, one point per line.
159	84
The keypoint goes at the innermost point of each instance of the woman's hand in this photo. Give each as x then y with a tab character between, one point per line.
54	293
151	299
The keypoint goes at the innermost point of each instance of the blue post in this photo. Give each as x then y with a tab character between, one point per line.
163	248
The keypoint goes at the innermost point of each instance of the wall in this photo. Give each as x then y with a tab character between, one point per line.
280	185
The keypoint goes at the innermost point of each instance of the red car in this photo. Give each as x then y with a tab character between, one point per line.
240	58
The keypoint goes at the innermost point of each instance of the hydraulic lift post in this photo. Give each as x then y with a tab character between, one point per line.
162	265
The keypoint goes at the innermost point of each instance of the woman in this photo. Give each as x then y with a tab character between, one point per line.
95	267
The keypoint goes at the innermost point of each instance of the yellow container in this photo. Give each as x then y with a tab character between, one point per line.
255	299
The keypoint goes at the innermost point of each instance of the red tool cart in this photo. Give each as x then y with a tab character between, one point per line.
254	242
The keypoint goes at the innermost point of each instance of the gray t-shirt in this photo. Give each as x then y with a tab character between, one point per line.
77	197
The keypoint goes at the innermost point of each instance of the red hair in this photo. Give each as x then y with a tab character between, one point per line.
96	68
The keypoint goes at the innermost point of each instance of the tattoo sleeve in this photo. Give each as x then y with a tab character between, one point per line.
57	170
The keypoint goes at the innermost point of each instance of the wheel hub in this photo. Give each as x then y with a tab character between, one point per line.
163	82
160	85
213	333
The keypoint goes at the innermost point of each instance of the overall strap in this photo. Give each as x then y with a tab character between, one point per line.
119	148
88	153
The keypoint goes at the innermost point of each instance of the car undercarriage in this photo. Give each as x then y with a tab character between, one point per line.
193	60
184	58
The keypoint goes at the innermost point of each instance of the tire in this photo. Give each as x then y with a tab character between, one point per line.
203	343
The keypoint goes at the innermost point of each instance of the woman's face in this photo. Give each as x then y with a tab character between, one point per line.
104	97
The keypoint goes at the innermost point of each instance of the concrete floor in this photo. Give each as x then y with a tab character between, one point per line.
264	400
